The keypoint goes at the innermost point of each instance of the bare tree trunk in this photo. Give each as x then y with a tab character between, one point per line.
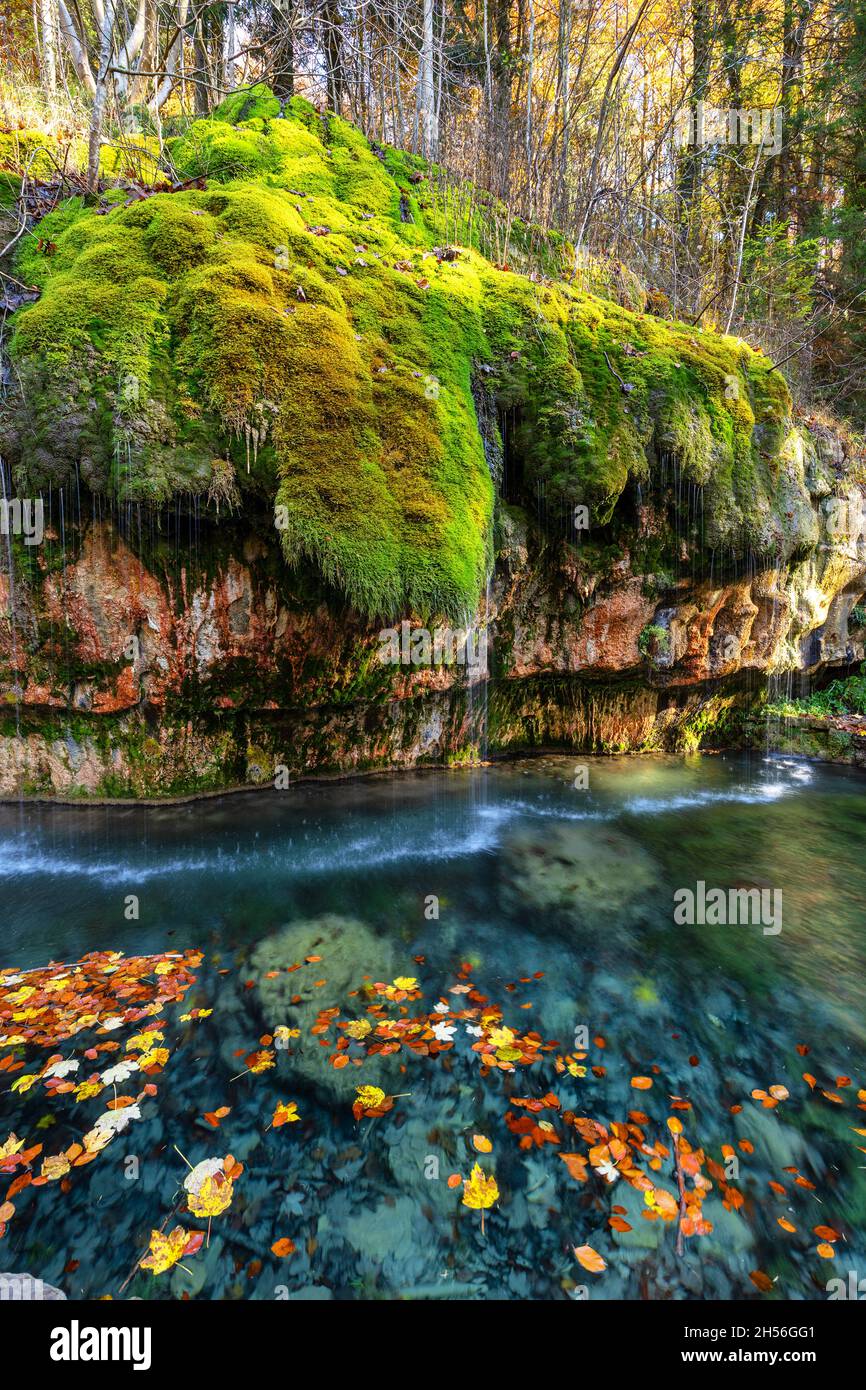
283	49
563	97
610	89
530	77
175	50
230	44
106	46
427	96
199	48
332	22
77	49
48	49
149	51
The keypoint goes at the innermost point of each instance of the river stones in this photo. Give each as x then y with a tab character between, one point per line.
576	873
349	951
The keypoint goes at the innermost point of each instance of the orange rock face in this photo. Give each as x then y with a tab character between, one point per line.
209	659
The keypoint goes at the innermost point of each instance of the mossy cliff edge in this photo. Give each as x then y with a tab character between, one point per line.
288	403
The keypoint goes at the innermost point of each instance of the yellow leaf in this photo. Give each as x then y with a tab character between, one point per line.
286	1113
371	1097
479	1191
165	1251
12	1146
213	1197
55	1166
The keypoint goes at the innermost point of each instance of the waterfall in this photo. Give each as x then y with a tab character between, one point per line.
6	492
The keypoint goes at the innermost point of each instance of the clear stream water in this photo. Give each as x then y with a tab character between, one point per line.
547	894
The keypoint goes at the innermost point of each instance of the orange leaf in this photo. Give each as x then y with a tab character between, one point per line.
283	1247
576	1165
826	1232
590	1259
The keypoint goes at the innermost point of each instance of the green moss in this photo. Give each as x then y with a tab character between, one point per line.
285	317
255	103
28	150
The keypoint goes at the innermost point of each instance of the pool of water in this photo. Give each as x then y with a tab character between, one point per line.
550	1000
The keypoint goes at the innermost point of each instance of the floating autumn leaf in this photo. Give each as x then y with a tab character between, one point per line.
214	1117
358	1028
641	1083
371	1101
60	1069
826	1251
826	1233
761	1280
785	1225
283	1035
283	1247
87	1089
95	1140
482	1144
11	1146
156	1057
590	1259
576	1165
119	1073
286	1113
480	1191
24	1083
167	1251
209	1187
55	1166
661	1203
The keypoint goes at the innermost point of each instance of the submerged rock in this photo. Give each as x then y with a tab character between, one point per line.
575	872
350	951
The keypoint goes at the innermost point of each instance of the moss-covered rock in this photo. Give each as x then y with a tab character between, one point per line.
297	315
348	950
579	874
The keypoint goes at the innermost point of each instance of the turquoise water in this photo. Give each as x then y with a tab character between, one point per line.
529	884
